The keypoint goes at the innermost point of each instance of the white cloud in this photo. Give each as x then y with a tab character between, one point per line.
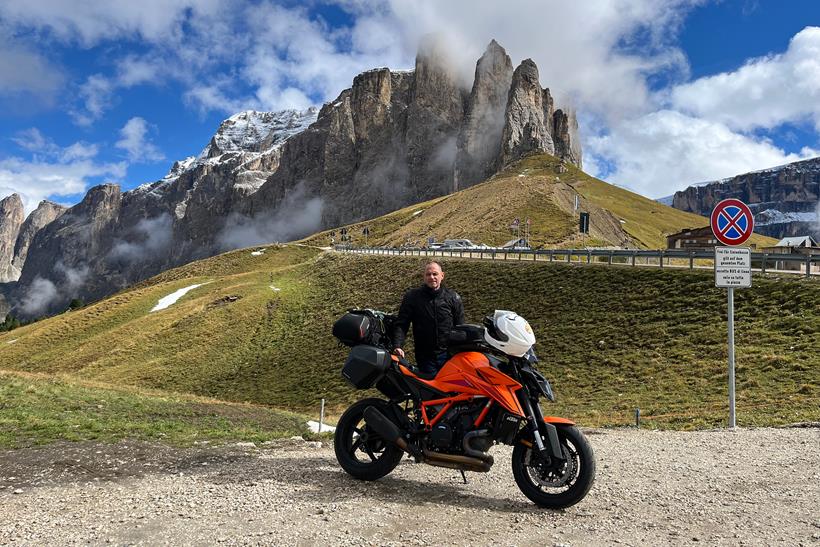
290	57
42	147
32	140
79	151
96	94
133	141
763	93
665	151
35	181
91	22
214	97
27	73
134	70
585	50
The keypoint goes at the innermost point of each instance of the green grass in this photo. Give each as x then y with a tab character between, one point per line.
539	187
36	410
611	339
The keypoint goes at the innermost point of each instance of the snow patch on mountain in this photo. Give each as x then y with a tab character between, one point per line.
773	216
243	138
262	132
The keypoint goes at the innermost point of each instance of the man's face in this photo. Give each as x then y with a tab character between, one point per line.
433	276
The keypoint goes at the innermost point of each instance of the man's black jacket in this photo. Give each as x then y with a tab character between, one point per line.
433	315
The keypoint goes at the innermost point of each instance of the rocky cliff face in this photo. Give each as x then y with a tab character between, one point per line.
784	199
480	139
58	267
392	139
528	119
45	213
11	219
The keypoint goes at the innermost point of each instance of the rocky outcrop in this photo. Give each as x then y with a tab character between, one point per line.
480	137
45	213
565	136
528	120
434	119
784	199
11	219
392	139
67	258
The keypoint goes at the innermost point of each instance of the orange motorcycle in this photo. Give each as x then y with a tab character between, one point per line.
487	392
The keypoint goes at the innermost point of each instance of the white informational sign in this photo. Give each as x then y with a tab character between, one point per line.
733	267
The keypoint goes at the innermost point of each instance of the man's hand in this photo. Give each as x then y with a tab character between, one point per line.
399	352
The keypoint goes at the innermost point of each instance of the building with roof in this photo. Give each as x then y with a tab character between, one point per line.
694	239
796	246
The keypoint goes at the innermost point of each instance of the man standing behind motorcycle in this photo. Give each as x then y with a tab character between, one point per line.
433	309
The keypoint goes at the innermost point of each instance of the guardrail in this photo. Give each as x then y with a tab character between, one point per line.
666	258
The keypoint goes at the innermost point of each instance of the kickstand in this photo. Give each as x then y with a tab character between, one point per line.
463	476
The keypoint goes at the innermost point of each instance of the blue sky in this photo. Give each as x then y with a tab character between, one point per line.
668	92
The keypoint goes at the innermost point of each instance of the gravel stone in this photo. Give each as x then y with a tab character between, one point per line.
749	486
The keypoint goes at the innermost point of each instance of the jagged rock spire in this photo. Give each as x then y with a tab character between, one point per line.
12	215
480	138
525	129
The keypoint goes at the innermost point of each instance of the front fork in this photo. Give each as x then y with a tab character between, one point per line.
540	428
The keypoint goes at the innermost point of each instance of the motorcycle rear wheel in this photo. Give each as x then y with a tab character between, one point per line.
360	450
556	486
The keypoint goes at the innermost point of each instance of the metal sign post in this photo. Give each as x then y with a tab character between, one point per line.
732	224
733	269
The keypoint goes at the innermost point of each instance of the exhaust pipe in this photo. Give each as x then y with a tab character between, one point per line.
390	432
454	461
385	428
470	451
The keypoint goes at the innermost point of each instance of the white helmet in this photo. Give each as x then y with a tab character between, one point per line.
509	333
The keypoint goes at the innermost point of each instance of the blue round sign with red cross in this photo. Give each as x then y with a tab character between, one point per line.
732	222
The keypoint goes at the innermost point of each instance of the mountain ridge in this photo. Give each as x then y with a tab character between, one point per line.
390	140
785	199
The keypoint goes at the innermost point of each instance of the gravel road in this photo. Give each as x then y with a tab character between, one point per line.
747	487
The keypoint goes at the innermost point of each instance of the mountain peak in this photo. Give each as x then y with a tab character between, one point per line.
254	131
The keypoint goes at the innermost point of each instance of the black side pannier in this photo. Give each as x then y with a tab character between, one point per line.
466	338
352	329
364	326
365	366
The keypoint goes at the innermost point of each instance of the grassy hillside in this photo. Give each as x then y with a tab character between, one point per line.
37	409
611	339
542	188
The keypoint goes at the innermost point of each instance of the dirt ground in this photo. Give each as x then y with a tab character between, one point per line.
747	487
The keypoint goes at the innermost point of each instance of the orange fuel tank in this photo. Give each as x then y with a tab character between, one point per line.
470	373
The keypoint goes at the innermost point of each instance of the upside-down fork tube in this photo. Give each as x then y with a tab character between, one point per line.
537	425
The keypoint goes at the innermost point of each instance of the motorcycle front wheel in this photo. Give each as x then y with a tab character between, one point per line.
360	450
552	484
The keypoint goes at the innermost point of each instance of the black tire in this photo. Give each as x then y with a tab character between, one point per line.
361	451
556	487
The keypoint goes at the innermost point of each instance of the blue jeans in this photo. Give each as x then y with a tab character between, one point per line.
429	366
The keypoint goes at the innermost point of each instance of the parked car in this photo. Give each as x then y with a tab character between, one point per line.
462	244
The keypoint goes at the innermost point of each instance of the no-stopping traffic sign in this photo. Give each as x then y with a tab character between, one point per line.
732	222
